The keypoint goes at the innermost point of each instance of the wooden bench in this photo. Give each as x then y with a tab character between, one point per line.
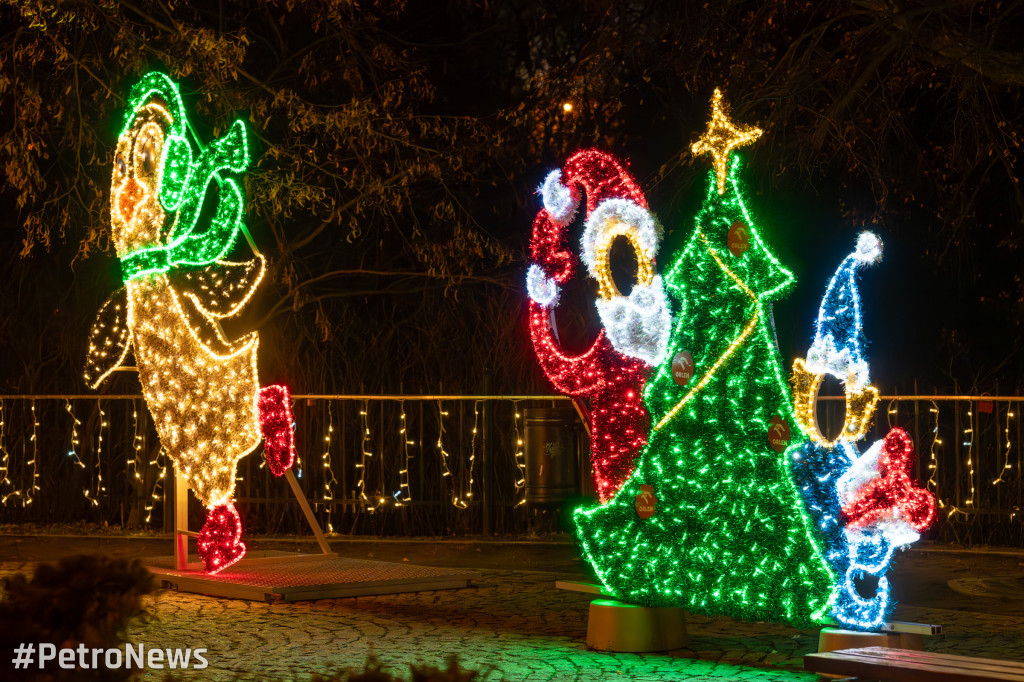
904	665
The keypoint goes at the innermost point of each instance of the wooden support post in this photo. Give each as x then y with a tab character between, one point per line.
180	521
301	497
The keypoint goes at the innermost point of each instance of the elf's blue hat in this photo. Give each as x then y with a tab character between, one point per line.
838	334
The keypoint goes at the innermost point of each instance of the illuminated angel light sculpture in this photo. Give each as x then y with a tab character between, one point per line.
201	387
611	373
865	505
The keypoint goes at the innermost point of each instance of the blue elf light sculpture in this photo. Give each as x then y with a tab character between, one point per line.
864	505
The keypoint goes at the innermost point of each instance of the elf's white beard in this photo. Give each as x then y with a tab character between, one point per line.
638	325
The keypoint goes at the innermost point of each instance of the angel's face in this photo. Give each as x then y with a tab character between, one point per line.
136	216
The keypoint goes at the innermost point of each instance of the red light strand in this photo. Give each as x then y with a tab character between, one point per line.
613	382
276	427
893	495
219	541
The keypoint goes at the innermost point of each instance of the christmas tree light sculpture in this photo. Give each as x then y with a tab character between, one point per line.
865	505
200	386
710	519
611	373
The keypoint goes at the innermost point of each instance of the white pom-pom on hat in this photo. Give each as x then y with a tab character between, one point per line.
542	289
560	201
869	248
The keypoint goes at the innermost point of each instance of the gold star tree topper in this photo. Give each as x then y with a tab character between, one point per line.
722	137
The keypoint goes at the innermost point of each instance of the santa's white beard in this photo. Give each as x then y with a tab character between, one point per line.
638	325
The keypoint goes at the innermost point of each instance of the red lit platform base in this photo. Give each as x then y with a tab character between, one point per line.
284	576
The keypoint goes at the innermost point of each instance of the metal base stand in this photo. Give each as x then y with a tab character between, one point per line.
182	533
287	576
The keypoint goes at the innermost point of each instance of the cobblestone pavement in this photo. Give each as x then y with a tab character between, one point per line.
514	623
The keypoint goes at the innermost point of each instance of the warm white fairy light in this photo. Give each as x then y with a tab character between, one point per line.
933	462
133	463
75	423
1006	454
35	457
73	452
519	457
100	488
447	472
5	463
373	505
4	456
7	488
157	485
463	501
19	494
969	444
403	494
328	472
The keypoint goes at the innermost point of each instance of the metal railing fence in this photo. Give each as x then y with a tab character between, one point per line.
438	464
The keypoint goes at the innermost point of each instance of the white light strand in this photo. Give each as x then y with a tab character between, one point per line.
638	325
559	200
541	288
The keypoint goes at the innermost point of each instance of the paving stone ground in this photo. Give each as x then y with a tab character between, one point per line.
512	622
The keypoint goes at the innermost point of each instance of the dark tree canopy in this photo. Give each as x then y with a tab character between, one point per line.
398	145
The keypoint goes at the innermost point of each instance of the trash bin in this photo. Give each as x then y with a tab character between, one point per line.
552	449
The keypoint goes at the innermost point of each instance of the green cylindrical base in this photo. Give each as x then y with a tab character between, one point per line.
614	626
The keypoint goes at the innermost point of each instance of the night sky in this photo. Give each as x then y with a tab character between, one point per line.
944	307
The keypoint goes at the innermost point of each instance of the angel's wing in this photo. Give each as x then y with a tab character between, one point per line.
109	339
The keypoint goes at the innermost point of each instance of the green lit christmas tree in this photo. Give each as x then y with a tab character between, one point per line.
710	520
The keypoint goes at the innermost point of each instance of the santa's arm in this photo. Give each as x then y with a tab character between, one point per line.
574	375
